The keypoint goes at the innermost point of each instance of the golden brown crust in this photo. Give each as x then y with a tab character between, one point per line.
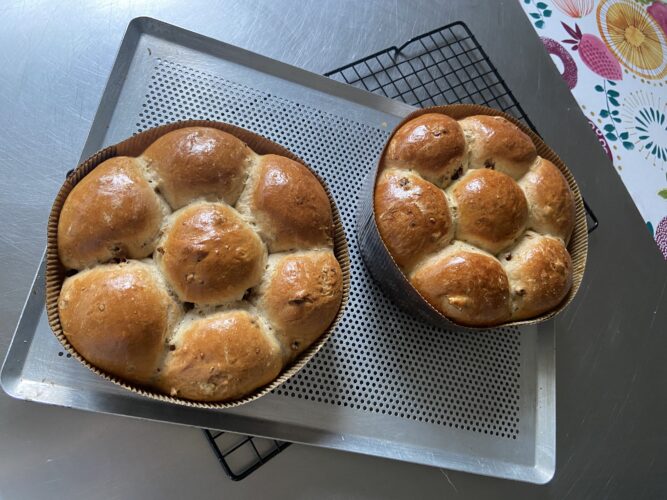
540	273
412	216
199	162
492	210
288	204
220	357
550	200
117	317
496	143
465	285
301	297
209	255
432	144
111	213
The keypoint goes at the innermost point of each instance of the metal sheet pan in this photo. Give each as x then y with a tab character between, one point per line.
385	384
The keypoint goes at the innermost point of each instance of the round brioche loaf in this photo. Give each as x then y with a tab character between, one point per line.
198	162
412	214
212	313
550	200
300	296
118	317
495	143
466	284
487	244
539	269
491	209
209	254
114	213
288	205
220	357
433	145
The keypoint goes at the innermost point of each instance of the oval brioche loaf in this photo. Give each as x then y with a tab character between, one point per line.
475	219
198	269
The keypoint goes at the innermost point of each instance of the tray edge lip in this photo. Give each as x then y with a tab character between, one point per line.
9	386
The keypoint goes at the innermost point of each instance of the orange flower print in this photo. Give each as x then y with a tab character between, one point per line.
634	38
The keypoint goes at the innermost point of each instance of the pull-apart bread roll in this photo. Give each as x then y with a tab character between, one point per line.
198	269
475	219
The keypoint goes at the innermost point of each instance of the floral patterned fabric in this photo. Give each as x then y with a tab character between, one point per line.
612	55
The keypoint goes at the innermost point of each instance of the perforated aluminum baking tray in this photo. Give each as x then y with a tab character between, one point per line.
385	384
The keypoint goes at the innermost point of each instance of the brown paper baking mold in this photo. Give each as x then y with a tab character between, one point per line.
135	146
395	284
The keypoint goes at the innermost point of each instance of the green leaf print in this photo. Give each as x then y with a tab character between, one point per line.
663	193
611	132
540	14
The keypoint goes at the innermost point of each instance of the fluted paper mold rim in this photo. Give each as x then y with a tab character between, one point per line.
135	146
396	285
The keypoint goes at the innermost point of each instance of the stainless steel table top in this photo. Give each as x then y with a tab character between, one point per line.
54	61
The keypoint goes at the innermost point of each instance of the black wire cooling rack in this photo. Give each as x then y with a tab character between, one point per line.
444	66
240	455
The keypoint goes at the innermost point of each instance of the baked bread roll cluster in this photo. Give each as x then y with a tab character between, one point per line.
475	219
200	268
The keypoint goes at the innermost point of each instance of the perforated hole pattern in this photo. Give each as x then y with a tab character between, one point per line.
379	359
